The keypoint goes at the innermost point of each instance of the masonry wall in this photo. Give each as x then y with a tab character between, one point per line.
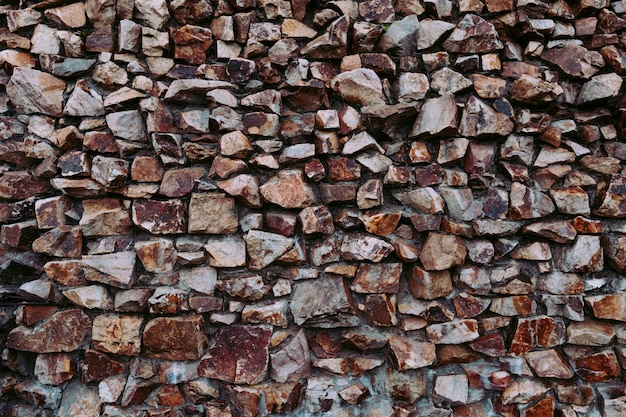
270	207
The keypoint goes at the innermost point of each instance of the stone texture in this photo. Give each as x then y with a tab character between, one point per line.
175	338
239	355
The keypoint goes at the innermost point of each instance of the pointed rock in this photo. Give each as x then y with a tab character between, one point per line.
361	87
264	248
288	189
33	91
479	119
437	117
473	34
333	44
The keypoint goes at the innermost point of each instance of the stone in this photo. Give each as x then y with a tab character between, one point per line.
160	217
91	297
191	43
175	338
71	16
104	217
607	306
538	331
84	101
334	309
127	125
429	285
117	334
473	35
431	31
361	87
226	251
315	220
368	278
528	204
401	36
54	368
288	189
452	389
152	13
453	332
412	87
33	91
158	256
246	288
584	255
425	200
79	400
264	248
590	333
437	117
523	391
64	331
528	89
597	367
239	355
409	354
441	252
447	81
115	269
600	87
332	44
180	182
574	60
62	241
479	119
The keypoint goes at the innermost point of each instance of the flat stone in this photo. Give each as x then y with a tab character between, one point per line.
239	355
226	251
607	306
90	297
438	116
574	60
410	354
62	332
117	334
288	189
479	119
332	44
361	247
334	309
538	331
360	86
264	248
116	269
158	256
33	91
453	332
246	288
175	338
160	217
452	389
473	34
441	252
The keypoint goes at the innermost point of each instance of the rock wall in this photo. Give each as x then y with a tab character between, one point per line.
251	207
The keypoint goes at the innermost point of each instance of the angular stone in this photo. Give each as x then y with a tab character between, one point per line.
160	217
104	217
600	87
274	314
360	86
175	338
409	354
33	91
79	399
334	309
429	284
538	331
116	269
590	333
226	252
401	36
549	364
361	247
431	31
368	278
158	256
90	297
191	43
574	60
454	332
479	119
412	87
240	355
152	13
613	202
332	44
288	189
127	125
452	389
607	306
264	248
246	288
585	255
446	81
316	219
473	34
201	279
441	252
62	332
528	204
597	367
117	334
62	241
437	117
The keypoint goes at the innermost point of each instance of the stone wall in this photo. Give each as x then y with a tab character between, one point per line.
250	207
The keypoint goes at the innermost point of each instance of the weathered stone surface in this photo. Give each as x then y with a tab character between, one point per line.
116	269
160	217
473	34
441	252
91	297
361	87
240	355
538	331
453	332
361	247
175	338
438	116
288	189
334	309
212	213
575	60
117	334
264	248
62	332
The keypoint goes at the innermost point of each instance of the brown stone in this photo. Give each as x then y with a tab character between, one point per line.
117	334
239	355
288	189
160	217
441	252
104	217
409	354
597	367
539	331
62	332
175	338
191	43
574	60
97	366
